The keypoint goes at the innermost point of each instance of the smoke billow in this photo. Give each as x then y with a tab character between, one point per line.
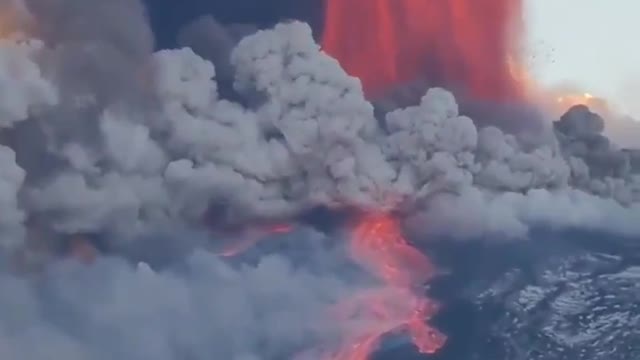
308	138
214	42
102	136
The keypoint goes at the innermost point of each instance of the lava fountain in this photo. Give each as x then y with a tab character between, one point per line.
465	45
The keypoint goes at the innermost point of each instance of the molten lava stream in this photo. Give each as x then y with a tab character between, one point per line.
379	245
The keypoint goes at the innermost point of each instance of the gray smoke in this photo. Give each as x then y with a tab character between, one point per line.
214	42
204	309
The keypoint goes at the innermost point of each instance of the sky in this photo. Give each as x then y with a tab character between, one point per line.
594	44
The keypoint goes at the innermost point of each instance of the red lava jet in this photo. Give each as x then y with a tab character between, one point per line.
465	45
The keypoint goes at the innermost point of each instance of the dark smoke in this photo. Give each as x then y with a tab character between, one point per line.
167	19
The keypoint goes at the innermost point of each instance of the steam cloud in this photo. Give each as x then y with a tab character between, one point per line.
101	135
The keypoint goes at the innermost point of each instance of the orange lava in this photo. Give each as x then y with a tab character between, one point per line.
379	245
250	237
461	44
82	250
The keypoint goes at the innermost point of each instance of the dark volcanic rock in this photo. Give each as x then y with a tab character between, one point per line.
583	307
555	299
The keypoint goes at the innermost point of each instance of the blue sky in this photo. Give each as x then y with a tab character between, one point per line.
594	44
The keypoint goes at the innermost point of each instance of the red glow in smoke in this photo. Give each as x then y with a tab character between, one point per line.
465	44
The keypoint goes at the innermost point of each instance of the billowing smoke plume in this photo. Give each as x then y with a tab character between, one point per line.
308	138
102	136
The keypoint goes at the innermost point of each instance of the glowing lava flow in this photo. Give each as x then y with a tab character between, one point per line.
397	305
463	44
247	238
379	245
82	250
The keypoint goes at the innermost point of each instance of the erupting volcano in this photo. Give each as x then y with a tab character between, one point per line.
464	45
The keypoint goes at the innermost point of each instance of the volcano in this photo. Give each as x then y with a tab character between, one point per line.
148	214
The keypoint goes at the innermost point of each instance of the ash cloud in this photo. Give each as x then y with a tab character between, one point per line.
214	41
623	130
96	47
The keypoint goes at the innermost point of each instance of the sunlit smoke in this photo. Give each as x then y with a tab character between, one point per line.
14	18
461	44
